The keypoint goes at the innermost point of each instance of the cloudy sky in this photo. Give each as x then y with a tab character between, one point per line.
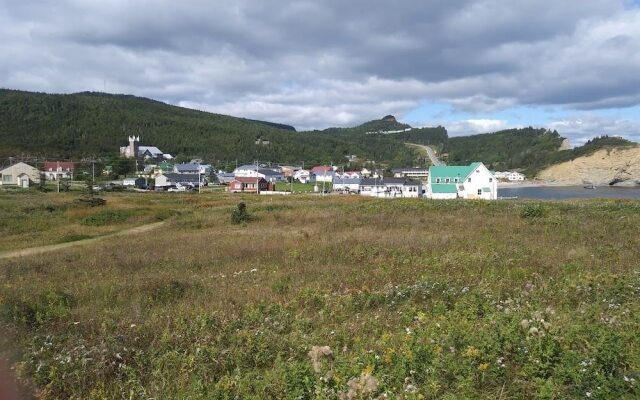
472	66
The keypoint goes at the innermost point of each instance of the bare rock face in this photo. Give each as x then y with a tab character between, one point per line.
566	145
619	167
389	118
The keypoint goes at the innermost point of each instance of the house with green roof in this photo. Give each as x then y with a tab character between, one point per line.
472	181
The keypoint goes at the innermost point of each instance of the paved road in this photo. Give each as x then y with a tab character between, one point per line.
52	247
430	153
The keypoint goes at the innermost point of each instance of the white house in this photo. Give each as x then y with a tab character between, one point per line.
253	171
179	179
302	175
390	187
346	183
402	187
20	174
473	181
55	170
511	176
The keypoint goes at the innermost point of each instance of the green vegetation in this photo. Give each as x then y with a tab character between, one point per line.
97	124
513	148
240	214
340	297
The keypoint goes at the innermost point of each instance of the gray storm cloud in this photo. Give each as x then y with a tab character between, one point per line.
323	63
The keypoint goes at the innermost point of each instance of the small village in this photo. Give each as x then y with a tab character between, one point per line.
156	171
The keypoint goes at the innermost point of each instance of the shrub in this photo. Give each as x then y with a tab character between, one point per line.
240	215
106	217
533	211
48	305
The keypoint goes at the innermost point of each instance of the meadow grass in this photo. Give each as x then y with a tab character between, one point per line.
401	299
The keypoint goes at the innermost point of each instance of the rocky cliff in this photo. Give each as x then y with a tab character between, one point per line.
604	167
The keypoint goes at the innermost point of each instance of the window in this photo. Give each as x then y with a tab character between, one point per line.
479	192
446	180
477	171
490	179
7	178
455	180
437	180
469	180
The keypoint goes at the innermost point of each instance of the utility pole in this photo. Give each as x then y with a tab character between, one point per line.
257	179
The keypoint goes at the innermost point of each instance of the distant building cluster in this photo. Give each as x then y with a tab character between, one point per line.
472	181
134	150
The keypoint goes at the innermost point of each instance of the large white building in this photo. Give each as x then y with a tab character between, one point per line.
134	150
473	181
20	174
253	171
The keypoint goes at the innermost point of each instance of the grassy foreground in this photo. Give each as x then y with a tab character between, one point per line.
335	297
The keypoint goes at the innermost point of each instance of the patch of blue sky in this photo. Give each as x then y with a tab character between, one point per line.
436	112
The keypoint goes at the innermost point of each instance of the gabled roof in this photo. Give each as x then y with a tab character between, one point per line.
399	181
187	167
17	164
154	151
183	177
371	182
444	188
247	179
346	180
248	167
53	165
321	168
268	172
452	171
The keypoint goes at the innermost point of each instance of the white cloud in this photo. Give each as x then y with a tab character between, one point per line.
580	128
316	64
475	126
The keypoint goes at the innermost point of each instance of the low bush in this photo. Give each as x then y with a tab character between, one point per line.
106	217
240	214
532	211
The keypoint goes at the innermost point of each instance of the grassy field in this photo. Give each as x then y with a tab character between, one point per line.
336	297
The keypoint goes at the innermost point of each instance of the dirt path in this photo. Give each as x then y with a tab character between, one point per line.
52	247
430	152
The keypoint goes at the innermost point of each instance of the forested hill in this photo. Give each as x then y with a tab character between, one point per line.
81	124
513	148
527	149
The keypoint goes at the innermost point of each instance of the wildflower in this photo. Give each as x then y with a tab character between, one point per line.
471	352
525	324
483	367
533	331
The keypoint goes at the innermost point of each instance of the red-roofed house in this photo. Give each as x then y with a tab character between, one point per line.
322	173
320	169
246	184
54	170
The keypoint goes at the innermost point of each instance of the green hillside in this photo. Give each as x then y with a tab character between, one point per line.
81	124
528	149
513	148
